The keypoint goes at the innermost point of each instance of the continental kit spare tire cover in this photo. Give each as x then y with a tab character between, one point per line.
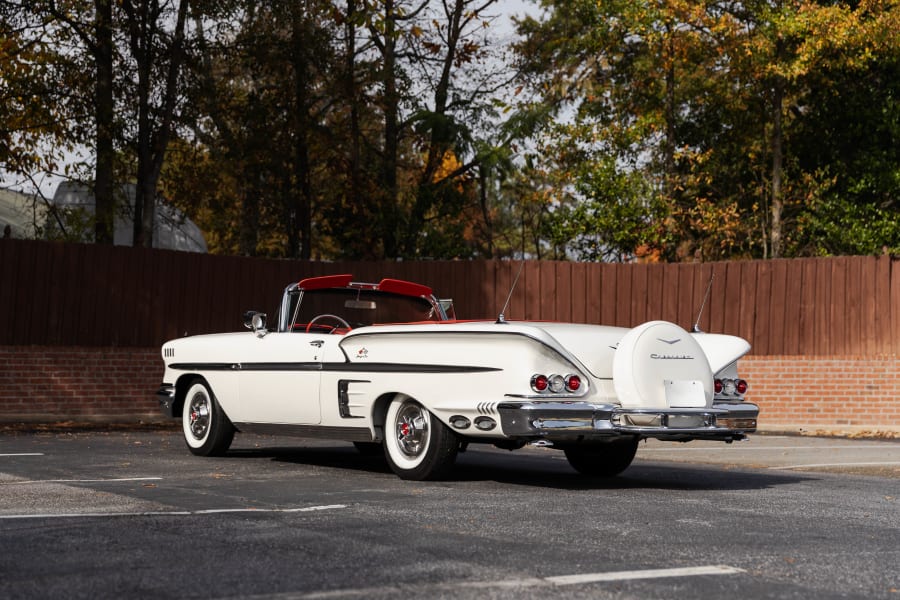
658	365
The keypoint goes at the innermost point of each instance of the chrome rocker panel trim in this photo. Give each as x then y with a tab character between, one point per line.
555	420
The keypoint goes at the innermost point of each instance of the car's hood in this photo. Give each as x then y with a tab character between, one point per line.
213	347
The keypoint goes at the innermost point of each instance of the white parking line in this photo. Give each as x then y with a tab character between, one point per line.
753	448
173	513
42	481
24	454
644	574
846	464
559	580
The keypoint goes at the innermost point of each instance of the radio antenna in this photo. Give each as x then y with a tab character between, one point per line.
501	318
696	327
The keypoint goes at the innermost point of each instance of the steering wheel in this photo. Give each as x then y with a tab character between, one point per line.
327	316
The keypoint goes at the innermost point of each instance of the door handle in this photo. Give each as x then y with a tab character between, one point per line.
316	343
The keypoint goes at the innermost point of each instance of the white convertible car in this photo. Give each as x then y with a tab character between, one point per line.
385	365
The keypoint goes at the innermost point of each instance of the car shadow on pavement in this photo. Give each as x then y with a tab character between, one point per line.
679	477
552	472
531	470
338	457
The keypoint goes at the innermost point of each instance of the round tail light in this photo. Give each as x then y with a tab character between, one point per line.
573	383
740	386
557	383
539	383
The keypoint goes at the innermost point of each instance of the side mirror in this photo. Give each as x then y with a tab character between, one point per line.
256	321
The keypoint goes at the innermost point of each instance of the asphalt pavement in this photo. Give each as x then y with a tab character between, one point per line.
132	514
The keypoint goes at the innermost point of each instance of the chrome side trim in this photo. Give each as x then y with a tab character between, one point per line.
339	367
350	434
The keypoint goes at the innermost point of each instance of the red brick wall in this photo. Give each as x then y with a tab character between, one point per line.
819	394
795	393
54	383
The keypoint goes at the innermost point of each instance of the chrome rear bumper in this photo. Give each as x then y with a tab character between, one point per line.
570	420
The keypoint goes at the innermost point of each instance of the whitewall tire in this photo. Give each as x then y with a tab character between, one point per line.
417	445
207	430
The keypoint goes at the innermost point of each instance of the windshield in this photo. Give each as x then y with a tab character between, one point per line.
359	307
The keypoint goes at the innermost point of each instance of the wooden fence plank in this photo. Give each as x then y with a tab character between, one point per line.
10	257
746	286
703	279
717	298
68	321
548	290
777	337
579	292
762	300
504	276
684	296
71	294
822	303
531	290
805	291
895	305
26	318
51	317
868	306
882	305
562	306
668	294
637	296
606	293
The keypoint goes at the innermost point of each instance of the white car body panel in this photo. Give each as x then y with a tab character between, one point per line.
478	378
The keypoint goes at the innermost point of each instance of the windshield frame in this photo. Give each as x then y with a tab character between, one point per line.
390	304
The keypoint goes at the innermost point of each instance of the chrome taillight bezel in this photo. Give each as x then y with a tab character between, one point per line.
555	384
730	388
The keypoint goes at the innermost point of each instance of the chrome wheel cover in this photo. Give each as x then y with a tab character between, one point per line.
199	415
411	430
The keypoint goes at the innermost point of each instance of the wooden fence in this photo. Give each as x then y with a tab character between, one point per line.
86	295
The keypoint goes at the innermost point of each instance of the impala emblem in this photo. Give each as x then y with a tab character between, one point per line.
362	353
669	342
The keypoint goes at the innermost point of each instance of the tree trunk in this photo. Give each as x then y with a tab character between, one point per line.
389	218
440	141
669	144
777	205
301	225
104	225
143	55
354	195
151	146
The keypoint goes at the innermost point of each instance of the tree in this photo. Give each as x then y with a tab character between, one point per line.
706	102
156	55
48	98
344	120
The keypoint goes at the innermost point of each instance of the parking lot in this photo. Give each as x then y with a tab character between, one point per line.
133	514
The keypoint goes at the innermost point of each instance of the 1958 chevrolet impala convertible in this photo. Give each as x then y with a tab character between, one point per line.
387	366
